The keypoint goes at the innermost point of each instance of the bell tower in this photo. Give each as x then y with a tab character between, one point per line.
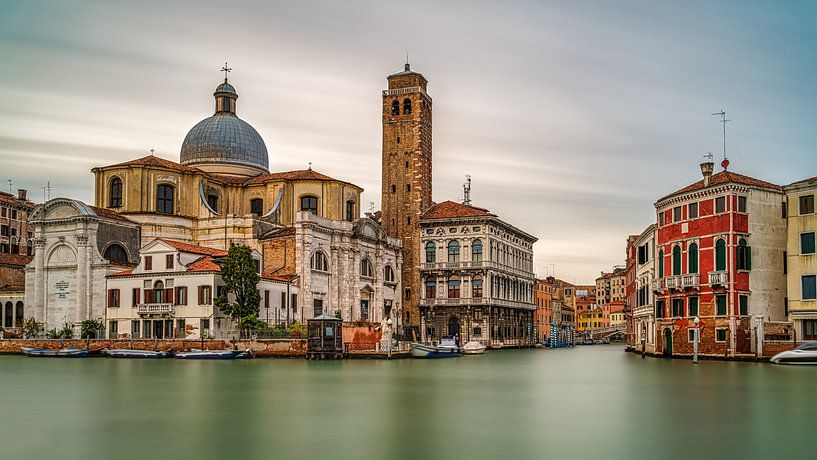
406	183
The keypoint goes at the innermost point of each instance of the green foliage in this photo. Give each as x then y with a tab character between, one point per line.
252	322
32	328
294	330
67	331
240	279
91	328
52	334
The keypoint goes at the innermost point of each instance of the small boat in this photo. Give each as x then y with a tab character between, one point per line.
536	345
446	349
136	354
215	354
806	353
473	348
61	353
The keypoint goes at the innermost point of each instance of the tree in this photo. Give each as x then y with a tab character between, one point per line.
91	327
240	277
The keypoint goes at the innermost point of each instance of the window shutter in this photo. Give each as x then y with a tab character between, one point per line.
136	296
110	298
201	295
748	257
169	295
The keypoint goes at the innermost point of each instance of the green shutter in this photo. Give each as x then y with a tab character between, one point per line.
721	304
693	258
693	306
676	260
748	257
720	255
661	263
744	305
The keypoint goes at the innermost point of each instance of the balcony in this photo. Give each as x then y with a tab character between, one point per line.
657	285
155	309
673	282
475	301
719	278
691	281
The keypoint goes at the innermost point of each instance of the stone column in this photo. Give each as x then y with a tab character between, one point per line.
83	309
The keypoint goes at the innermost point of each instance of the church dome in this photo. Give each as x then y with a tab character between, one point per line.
224	139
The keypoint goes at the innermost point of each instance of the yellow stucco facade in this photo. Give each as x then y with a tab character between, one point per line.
801	259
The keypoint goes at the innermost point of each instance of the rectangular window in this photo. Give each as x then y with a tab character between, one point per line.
807	204
784	209
294	302
113	298
364	310
692	210
205	326
785	262
317	305
676	214
807	243
741	204
266	299
4	230
181	295
693	306
677	307
205	295
135	296
147	329
477	331
810	329
720	305
809	284
659	308
134	329
660	219
408	293
691	334
720	335
169	262
113	329
743	302
720	205
148	262
181	327
283	300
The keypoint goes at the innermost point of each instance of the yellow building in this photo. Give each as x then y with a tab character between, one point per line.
221	190
801	257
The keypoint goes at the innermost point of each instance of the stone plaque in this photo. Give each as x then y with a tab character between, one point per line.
62	289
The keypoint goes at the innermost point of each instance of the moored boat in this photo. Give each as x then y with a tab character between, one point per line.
473	348
805	353
61	353
446	349
136	354
215	354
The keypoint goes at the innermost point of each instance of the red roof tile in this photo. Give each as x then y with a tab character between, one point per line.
109	214
284	278
449	209
123	273
205	264
302	174
725	177
813	179
194	248
14	259
154	161
14	201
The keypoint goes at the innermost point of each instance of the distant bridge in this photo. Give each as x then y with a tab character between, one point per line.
606	332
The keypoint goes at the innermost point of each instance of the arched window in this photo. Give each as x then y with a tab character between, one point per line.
19	314
257	206
453	251
720	255
744	256
395	108
476	286
388	274
453	287
692	256
319	262
661	263
406	106
116	193
116	253
676	260
366	268
350	210
212	201
9	316
165	198
431	287
158	292
431	252
476	250
310	204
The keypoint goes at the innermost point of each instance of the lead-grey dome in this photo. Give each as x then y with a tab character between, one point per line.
224	138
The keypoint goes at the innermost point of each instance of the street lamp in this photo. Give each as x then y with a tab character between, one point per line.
697	321
388	323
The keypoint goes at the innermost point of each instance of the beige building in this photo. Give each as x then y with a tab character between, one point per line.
643	309
801	257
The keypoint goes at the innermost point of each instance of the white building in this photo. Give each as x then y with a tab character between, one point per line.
645	284
170	293
76	247
346	268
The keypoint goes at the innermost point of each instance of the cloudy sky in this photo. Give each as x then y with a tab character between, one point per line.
571	117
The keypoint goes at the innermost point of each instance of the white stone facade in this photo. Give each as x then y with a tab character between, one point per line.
645	279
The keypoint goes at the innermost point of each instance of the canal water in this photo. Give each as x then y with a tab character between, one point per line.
590	402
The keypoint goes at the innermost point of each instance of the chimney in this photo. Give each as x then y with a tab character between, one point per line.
21	194
706	170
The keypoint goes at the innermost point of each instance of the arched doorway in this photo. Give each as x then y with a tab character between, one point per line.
453	326
667	342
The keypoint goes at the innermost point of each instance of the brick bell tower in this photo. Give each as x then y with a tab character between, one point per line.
406	183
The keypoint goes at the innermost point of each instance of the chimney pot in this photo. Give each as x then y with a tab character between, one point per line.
21	194
706	170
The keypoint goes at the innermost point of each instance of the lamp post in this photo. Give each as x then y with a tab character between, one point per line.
695	342
388	323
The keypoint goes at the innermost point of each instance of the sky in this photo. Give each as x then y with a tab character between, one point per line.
572	118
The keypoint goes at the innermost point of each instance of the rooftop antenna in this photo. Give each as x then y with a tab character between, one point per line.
226	69
708	156
47	192
10	186
408	67
722	113
371	207
466	190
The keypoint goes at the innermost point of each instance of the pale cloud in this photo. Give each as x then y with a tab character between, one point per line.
572	118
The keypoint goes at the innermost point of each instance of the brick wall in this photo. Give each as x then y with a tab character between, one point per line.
264	348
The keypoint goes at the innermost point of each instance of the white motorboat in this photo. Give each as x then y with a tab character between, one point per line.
473	348
806	353
214	354
446	349
135	354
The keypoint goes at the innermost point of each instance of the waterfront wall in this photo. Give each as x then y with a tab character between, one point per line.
262	348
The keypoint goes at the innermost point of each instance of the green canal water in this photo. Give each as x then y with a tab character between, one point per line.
590	402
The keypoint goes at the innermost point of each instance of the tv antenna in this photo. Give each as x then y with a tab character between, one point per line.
722	114
47	192
466	190
708	156
10	186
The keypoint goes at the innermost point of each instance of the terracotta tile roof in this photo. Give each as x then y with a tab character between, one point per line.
449	209
109	214
302	174
14	259
156	162
813	179
14	201
284	278
279	232
194	248
205	264
123	273
725	177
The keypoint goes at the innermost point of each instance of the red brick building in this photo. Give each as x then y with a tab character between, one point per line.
16	250
720	248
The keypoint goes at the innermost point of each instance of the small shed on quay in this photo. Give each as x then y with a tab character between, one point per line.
324	338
